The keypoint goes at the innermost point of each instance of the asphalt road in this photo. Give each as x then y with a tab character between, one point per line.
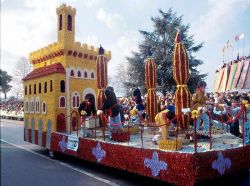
25	164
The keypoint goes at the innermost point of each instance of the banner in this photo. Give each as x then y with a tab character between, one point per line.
237	74
243	75
247	133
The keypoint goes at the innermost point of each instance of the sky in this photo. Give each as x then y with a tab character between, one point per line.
27	25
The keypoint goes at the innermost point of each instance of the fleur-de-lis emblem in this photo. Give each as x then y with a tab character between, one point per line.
221	164
155	164
98	152
63	144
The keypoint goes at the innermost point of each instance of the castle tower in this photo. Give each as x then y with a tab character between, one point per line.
66	25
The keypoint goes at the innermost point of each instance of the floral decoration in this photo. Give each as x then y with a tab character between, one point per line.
155	164
221	164
98	152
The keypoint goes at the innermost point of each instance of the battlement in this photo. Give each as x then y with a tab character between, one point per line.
51	48
89	49
66	8
57	49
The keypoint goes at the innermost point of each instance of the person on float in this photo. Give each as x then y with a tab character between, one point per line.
112	109
86	110
199	101
220	112
139	107
163	119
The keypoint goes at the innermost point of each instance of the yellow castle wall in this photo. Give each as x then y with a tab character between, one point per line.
51	99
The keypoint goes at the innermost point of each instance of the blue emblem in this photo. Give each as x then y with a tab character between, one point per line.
63	144
155	164
221	164
98	152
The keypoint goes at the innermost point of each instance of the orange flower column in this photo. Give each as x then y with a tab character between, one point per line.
150	77
102	76
181	77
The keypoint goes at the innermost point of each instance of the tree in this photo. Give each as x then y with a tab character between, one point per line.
23	66
161	42
5	79
22	69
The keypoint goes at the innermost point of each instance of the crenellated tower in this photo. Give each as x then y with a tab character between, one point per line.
66	25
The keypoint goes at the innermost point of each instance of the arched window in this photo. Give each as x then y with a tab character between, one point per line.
45	87
85	74
62	85
69	23
26	106
29	89
75	100
92	75
79	73
62	102
44	107
37	110
51	86
25	90
60	22
34	88
40	88
78	101
31	105
72	73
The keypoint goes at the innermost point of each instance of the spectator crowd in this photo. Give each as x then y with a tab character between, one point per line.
12	109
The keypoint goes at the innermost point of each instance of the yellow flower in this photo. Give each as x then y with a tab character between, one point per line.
83	113
247	105
244	102
195	114
133	112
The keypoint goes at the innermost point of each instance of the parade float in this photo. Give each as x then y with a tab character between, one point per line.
66	72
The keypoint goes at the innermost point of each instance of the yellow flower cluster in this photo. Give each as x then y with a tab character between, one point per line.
195	114
133	112
83	113
245	102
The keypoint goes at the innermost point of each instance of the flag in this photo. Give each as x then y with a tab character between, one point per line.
228	45
223	49
236	38
241	36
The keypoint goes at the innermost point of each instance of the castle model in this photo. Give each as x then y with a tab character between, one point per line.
64	73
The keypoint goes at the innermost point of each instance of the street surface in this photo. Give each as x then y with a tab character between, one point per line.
25	164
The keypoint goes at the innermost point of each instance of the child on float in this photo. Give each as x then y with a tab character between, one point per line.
112	109
138	108
219	112
163	119
199	101
86	110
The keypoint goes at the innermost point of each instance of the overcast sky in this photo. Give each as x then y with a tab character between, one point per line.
27	25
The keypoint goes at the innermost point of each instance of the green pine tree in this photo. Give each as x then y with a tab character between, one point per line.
161	42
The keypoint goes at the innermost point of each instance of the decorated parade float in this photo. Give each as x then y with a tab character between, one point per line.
66	72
